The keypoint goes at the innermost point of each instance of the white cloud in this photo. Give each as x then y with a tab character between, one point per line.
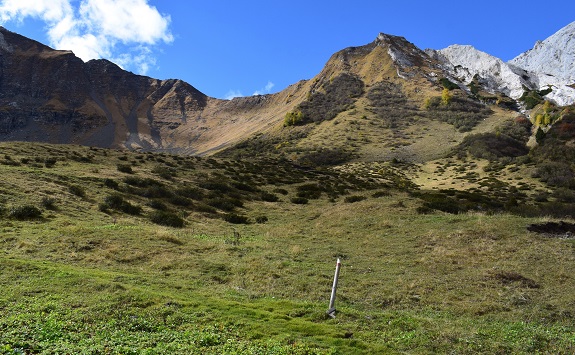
120	30
48	10
233	93
266	90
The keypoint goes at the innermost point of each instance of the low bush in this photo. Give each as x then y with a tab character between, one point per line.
381	193
354	198
158	205
261	219
125	168
299	200
117	202
50	162
235	218
77	190
167	219
556	174
112	184
269	197
25	212
48	203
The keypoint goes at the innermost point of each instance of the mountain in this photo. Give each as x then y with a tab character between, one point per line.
53	96
553	62
554	56
549	66
467	63
379	101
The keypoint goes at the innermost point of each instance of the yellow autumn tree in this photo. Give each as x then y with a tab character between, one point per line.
445	97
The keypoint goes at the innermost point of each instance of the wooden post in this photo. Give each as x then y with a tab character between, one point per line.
331	311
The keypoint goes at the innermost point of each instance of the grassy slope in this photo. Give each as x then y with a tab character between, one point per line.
80	280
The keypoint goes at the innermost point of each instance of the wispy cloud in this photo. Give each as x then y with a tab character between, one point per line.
233	93
124	31
237	93
266	90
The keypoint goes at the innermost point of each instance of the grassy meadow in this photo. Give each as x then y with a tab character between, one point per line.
113	252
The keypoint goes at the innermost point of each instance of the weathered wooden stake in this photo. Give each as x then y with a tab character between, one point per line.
331	311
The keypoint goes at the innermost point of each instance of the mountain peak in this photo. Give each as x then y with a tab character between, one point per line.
554	56
553	62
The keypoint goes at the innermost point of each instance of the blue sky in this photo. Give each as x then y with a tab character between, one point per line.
227	48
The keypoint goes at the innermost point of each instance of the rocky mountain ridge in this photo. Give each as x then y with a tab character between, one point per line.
52	96
549	65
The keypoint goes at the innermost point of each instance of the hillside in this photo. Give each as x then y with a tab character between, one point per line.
109	251
367	104
170	222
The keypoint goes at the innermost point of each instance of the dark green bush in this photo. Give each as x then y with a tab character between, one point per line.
117	202
281	191
165	172
381	193
235	218
338	95
114	201
491	146
112	184
50	162
215	186
49	203
125	168
168	219
269	197
77	190
224	203
556	174
191	192
299	200
158	205
354	198
261	219
25	212
446	83
180	201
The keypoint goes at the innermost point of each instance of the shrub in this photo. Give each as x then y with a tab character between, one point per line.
165	172
339	95
381	193
269	197
25	212
293	118
191	192
325	157
299	200
281	191
556	174
50	162
261	219
77	190
168	219
224	203
48	203
491	146
447	84
116	202
235	218
125	168
112	184
354	198
158	205
180	201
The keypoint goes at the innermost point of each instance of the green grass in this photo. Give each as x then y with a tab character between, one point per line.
78	280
